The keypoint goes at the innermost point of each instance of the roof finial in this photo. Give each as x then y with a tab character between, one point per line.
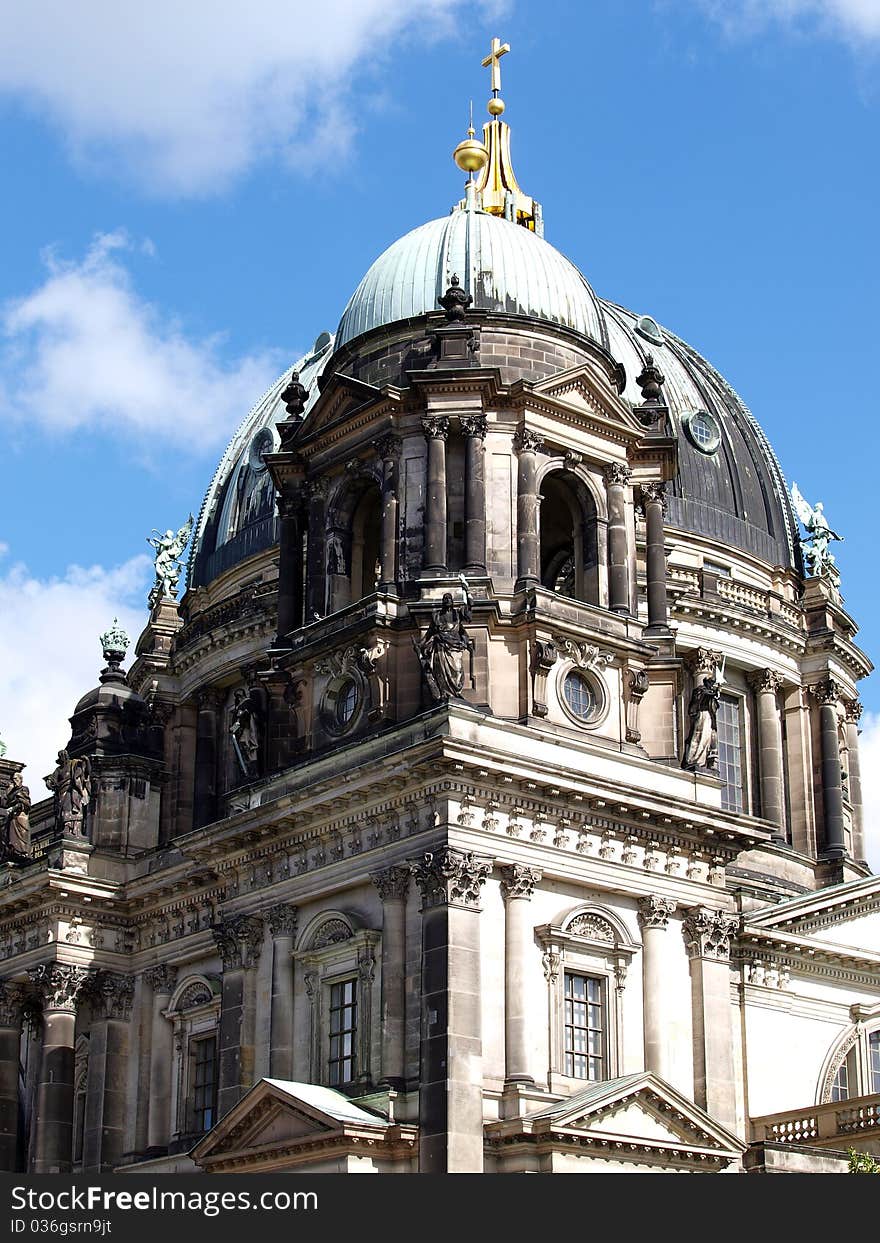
470	155
493	60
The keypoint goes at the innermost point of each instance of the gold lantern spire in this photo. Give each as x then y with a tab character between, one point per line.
497	190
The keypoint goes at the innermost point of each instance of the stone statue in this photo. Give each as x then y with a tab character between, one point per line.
814	547
16	842
441	651
169	549
71	783
455	301
335	555
701	747
246	732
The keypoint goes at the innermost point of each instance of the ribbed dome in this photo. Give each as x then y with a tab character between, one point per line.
504	266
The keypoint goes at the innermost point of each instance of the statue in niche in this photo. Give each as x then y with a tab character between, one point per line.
701	747
168	565
16	842
71	783
441	651
814	546
335	555
246	732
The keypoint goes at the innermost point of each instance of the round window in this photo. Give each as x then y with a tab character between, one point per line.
346	703
580	696
647	327
703	431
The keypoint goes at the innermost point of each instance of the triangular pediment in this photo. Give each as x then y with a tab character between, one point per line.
342	398
277	1113
637	1109
579	392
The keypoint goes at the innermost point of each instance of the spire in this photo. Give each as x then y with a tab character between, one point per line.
497	190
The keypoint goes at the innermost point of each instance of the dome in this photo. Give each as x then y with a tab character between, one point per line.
237	517
504	266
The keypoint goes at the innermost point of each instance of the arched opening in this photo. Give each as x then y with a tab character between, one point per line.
569	538
352	547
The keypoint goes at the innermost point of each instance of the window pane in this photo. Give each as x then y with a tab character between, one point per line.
203	1054
584	1027
874	1062
343	1032
730	758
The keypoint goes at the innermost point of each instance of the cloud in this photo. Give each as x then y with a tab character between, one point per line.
869	764
854	21
46	669
84	349
186	97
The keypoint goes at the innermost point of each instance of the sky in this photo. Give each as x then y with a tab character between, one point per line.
193	191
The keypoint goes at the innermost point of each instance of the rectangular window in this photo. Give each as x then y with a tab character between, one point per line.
840	1087
584	1027
203	1054
343	1032
873	1063
730	753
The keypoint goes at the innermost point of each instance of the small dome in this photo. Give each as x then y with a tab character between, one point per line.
237	517
504	266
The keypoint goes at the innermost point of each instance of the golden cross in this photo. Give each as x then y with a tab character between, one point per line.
493	59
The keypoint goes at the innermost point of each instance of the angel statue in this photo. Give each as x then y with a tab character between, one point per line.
169	549
441	651
817	558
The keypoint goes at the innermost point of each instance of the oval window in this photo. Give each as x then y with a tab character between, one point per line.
580	696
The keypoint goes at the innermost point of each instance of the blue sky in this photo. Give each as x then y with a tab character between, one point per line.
192	192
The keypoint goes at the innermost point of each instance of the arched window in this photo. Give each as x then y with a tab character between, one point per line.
352	544
569	538
853	1066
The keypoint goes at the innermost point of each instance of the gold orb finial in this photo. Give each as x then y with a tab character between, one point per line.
470	155
495	107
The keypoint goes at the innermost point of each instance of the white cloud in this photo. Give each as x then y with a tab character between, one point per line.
869	763
48	666
84	349
187	96
852	20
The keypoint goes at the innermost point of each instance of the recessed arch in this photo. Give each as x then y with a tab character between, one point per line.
569	537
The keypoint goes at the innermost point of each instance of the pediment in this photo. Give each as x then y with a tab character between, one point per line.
579	392
641	1110
844	915
342	398
277	1114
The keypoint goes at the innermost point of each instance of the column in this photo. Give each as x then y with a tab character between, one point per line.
184	734
827	694
654	915
162	980
53	1116
388	449
853	715
11	997
290	565
654	502
766	684
239	939
282	926
474	428
526	445
392	884
209	702
110	996
617	477
317	550
707	935
436	430
517	886
451	1094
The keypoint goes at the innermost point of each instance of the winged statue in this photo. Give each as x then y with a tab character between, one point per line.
169	550
819	534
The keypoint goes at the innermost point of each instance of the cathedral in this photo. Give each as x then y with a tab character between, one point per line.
487	797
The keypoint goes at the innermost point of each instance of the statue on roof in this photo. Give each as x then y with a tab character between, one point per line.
246	729
819	535
16	833
169	550
71	783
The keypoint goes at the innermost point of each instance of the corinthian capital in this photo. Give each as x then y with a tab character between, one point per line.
617	473
161	978
282	919
826	693
389	447
707	933
654	493
109	994
59	984
435	428
526	441
11	1000
392	883
450	877
703	661
474	425
654	911
518	881
853	711
239	938
765	681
